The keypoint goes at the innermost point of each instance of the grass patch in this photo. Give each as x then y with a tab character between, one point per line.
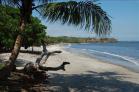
1	66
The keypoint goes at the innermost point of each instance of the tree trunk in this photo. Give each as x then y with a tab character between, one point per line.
25	17
17	44
5	72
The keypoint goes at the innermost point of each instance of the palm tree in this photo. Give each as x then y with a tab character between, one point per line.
85	14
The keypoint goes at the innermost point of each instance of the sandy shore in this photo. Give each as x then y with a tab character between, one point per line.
85	74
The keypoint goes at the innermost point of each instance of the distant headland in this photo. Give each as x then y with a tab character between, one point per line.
66	39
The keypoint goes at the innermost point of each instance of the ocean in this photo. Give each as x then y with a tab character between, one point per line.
123	53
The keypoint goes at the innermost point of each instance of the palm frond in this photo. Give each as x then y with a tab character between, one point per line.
12	3
84	14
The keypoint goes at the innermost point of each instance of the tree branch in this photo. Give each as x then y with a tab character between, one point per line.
51	53
61	67
44	52
37	70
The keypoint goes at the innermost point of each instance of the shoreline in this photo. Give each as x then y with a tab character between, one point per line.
84	71
89	55
95	61
85	54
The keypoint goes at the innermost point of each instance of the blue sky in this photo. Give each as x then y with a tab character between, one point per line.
125	21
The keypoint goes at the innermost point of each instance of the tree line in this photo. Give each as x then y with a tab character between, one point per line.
66	39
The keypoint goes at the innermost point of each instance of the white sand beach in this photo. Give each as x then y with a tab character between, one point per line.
85	74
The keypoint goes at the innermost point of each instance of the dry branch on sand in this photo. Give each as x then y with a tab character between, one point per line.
32	74
37	71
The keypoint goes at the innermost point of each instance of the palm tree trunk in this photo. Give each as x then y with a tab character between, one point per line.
10	65
17	45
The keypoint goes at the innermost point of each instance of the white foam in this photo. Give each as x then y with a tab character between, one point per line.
84	43
84	49
130	59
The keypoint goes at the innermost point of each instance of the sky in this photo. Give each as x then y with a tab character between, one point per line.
124	16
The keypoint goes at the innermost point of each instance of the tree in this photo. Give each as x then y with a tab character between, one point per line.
8	27
32	35
77	13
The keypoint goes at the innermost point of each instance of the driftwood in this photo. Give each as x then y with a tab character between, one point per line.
61	67
37	70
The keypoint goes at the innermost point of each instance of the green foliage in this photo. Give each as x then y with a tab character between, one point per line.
85	14
34	33
1	65
65	39
9	25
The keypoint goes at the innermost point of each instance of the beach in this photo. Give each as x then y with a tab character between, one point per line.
84	74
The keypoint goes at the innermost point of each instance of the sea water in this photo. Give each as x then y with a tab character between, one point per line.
124	53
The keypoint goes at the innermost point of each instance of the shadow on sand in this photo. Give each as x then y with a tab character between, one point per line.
93	82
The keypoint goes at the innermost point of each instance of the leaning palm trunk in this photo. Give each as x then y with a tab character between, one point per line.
25	13
17	45
5	72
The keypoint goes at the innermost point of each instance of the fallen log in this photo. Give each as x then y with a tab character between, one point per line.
61	67
37	70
